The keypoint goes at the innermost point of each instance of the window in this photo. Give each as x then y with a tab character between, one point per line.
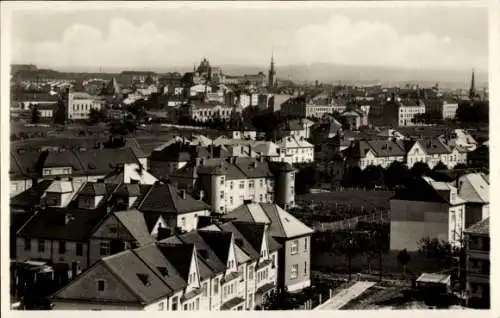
294	272
242	198
197	303
306	245
273	258
185	307
62	247
183	221
251	184
250	301
160	306
41	246
294	247
221	180
222	194
231	185
100	285
261	198
104	248
231	200
204	289
242	184
175	301
250	272
261	181
27	244
305	268
216	286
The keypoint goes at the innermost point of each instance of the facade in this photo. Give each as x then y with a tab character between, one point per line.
474	188
228	183
432	151
206	112
80	104
306	108
477	238
298	128
293	150
295	238
221	267
426	209
382	153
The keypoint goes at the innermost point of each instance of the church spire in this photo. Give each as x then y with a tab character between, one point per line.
272	72
472	90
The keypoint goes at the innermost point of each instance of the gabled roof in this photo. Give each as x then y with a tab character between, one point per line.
474	188
135	223
50	224
281	223
481	227
380	148
137	276
31	196
94	189
219	242
205	252
434	146
180	256
166	198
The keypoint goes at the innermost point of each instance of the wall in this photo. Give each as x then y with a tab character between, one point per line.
413	220
302	259
19	186
190	219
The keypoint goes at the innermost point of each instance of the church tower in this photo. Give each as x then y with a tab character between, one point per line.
472	90
272	73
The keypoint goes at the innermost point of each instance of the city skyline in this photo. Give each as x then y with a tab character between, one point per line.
403	37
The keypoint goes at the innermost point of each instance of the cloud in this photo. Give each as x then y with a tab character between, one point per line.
81	45
343	41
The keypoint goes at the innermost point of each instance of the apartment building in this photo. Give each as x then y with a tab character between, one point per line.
294	258
477	244
364	153
306	108
397	112
299	128
293	150
426	208
230	266
80	104
474	188
78	226
432	151
226	184
205	112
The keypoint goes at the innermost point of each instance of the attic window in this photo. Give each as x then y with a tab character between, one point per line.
163	271
144	278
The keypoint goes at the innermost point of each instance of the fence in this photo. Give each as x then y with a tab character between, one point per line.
380	217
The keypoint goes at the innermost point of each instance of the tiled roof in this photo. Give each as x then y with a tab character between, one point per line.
434	146
50	224
281	223
474	188
179	255
31	196
94	189
135	223
140	279
205	252
481	227
219	242
380	148
166	198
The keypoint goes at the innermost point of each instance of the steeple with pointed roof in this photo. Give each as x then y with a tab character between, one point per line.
472	90
272	73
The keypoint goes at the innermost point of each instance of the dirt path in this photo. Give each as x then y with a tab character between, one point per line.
345	296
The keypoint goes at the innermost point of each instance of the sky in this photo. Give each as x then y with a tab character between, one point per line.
403	37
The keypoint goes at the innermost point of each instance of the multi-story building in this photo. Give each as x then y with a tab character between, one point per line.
293	149
426	209
219	267
298	128
474	188
294	258
80	104
397	112
477	238
431	151
303	107
227	183
206	112
364	153
79	225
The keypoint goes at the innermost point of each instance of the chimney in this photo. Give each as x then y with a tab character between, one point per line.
202	195
182	194
163	233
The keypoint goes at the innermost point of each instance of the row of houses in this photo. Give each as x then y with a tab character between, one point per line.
138	246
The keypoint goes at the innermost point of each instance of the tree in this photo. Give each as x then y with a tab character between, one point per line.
60	113
372	176
420	169
440	166
352	177
396	174
439	250
305	179
403	259
460	166
96	115
277	300
35	115
473	112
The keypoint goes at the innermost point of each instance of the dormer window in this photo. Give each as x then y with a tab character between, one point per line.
101	285
144	278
